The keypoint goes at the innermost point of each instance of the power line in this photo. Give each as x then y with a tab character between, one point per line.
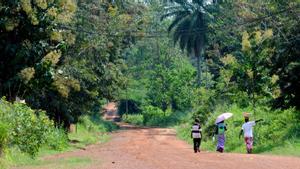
186	31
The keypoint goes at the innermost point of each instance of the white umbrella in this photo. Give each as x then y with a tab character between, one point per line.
223	117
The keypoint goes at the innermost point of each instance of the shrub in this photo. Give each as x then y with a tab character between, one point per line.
104	126
91	129
154	116
278	127
27	129
57	139
136	119
184	132
3	137
87	123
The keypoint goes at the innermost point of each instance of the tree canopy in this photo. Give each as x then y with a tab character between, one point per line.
69	57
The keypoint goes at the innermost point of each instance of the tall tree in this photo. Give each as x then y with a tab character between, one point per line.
189	27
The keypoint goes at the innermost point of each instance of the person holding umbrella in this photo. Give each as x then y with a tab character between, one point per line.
220	130
248	132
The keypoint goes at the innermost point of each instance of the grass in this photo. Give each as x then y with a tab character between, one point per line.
278	134
83	137
135	119
88	132
17	158
290	148
287	148
62	163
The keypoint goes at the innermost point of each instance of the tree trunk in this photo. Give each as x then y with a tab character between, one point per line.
198	56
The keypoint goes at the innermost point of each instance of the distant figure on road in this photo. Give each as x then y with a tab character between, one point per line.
196	135
220	132
248	132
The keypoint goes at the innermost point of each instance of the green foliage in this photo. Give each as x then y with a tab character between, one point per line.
28	129
91	130
27	41
129	106
17	159
68	57
136	119
171	84
280	124
166	80
255	58
92	68
189	27
34	38
86	122
203	103
154	116
65	56
57	139
3	137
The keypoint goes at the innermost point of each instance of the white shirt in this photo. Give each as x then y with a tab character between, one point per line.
247	127
196	131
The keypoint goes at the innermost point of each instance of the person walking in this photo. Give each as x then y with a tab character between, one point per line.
196	135
247	129
220	132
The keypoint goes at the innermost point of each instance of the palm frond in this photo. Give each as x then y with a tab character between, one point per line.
179	18
189	24
181	2
174	13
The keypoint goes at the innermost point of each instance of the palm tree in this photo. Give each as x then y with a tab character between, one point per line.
189	27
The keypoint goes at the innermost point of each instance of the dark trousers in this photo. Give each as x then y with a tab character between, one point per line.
197	143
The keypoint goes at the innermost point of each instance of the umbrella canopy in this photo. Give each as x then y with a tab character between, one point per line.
223	117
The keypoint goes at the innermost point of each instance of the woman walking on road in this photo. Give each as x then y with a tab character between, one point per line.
196	135
221	129
248	132
220	132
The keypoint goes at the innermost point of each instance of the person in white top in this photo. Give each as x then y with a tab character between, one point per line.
248	133
196	135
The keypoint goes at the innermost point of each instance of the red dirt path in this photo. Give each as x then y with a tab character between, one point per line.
158	148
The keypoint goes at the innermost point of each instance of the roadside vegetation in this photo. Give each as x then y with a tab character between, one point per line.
164	62
278	131
27	134
243	68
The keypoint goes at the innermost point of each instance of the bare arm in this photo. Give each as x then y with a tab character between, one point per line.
216	130
258	120
241	133
200	130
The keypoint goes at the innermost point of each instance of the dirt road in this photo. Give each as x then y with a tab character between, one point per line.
157	148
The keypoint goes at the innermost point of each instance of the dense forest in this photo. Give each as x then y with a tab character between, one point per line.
163	62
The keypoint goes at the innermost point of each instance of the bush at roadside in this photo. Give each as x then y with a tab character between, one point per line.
28	129
136	119
278	128
91	130
154	116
